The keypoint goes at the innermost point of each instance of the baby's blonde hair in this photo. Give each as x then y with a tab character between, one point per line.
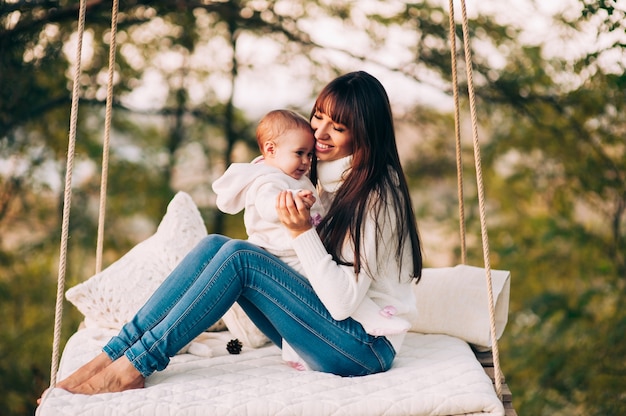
277	122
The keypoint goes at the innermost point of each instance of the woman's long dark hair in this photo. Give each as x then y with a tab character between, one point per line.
376	181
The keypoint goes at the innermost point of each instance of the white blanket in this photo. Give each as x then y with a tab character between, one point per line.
432	375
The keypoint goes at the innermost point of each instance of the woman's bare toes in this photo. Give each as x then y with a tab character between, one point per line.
119	376
84	373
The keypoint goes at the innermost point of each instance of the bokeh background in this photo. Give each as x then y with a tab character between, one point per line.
192	79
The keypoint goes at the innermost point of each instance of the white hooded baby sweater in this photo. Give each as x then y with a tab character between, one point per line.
253	187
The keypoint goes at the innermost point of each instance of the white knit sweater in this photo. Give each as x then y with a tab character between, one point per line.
381	279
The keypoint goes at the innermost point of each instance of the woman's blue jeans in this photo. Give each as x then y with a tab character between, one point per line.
220	271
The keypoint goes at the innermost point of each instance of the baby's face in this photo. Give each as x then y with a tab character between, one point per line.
293	152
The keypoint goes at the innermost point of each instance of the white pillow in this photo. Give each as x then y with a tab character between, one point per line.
453	301
112	297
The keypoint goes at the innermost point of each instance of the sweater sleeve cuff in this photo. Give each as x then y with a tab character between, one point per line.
309	247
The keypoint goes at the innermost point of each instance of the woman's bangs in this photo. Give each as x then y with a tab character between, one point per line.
338	110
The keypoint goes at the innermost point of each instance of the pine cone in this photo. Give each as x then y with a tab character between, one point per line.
234	346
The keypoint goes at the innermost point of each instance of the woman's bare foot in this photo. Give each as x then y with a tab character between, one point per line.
119	376
83	374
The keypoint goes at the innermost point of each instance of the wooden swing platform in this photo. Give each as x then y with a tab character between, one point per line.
486	360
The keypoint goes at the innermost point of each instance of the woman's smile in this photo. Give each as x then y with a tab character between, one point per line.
333	141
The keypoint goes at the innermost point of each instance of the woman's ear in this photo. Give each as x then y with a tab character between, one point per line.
269	148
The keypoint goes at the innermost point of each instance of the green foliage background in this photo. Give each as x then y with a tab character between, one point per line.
553	155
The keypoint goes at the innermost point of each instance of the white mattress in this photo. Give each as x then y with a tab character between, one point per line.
432	375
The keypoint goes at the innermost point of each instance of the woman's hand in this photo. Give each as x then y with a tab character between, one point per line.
293	212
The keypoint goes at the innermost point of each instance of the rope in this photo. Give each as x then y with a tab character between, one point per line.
457	134
58	318
481	197
107	137
67	200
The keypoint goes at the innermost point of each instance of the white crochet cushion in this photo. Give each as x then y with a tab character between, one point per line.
112	297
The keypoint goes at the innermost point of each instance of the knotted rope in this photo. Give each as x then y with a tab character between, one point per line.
479	178
107	136
67	198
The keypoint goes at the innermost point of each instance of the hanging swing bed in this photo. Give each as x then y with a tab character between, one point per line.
448	364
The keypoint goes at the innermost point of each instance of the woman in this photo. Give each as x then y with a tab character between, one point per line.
366	246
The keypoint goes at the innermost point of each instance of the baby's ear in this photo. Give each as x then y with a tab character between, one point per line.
269	147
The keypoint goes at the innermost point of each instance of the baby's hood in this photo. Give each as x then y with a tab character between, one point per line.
232	187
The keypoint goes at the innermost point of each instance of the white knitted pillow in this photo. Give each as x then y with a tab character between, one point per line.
112	297
453	301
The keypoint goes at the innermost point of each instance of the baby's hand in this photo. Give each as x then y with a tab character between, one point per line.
307	197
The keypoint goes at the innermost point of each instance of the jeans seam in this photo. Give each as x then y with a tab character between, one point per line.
187	311
129	342
136	359
315	332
